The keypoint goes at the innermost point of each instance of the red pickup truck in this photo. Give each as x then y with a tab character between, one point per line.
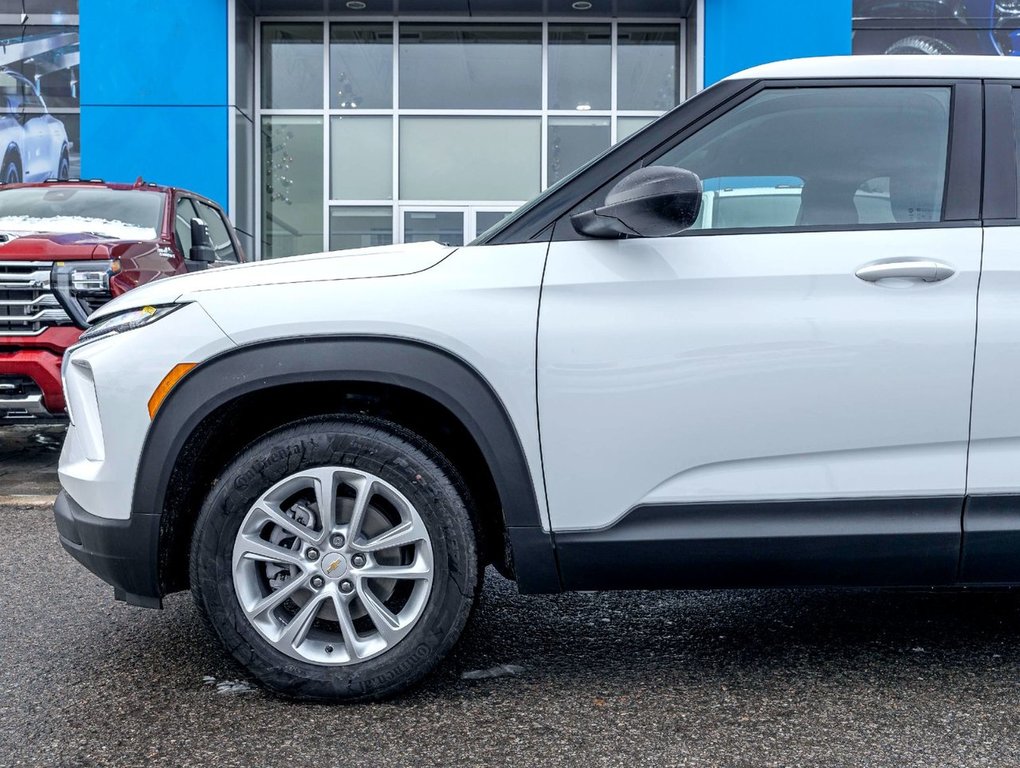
66	248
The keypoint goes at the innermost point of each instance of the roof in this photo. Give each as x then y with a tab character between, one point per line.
955	67
143	186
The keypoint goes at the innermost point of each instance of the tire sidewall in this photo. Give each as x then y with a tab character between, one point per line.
10	170
919	45
371	446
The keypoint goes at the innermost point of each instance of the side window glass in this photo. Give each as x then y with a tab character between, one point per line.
750	201
874	204
809	157
182	224
222	243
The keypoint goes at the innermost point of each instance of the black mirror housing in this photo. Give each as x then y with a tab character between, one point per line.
201	242
656	201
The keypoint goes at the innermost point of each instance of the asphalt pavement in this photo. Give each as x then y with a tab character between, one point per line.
753	678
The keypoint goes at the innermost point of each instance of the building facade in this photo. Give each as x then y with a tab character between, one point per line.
325	124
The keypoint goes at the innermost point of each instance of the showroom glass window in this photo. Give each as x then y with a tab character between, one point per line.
822	157
397	131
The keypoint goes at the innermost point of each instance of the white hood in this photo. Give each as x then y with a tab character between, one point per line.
384	261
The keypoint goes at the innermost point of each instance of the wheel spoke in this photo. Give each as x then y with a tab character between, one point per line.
277	597
290	525
407	532
364	487
297	628
259	549
385	622
419	569
325	498
355	647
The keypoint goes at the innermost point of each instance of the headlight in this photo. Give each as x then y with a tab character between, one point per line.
1008	7
127	321
82	287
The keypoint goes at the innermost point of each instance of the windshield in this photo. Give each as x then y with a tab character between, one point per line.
120	214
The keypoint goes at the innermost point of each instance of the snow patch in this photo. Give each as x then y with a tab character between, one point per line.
228	686
19	226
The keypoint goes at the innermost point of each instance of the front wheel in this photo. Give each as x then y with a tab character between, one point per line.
10	172
337	559
64	166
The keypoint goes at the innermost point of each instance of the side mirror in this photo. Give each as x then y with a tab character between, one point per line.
650	202
201	243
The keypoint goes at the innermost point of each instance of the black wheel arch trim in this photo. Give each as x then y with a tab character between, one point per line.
424	368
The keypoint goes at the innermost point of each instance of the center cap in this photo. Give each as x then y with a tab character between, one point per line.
333	565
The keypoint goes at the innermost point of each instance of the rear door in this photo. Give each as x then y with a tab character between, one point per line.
782	394
991	551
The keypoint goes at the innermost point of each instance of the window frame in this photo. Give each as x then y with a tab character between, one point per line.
178	240
1001	203
549	218
231	235
193	199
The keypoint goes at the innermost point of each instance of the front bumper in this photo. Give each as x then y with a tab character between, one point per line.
30	388
123	553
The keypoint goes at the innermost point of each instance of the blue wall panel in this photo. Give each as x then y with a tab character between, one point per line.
177	146
154	92
743	33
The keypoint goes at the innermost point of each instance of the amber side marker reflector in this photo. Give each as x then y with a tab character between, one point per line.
177	373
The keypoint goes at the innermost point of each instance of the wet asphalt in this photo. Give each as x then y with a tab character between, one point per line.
754	678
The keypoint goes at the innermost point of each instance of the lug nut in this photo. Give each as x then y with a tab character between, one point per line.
318	582
346	587
337	540
358	561
312	554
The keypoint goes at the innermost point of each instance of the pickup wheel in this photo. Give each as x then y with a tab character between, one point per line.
336	559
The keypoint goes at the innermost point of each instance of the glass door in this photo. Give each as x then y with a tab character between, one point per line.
451	225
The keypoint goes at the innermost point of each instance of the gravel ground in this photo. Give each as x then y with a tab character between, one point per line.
28	461
755	678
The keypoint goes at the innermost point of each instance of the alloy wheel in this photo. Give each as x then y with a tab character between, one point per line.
332	566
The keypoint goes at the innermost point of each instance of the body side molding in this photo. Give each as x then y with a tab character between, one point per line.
843	542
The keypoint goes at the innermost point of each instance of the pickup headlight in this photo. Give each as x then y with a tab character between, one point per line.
82	287
127	321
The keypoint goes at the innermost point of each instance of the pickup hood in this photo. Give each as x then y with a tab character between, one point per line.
24	246
385	261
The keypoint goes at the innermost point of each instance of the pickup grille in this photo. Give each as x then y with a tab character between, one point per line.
27	304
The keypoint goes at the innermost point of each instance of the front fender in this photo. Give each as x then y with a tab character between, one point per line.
413	365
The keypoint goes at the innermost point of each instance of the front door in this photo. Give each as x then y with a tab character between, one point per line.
781	394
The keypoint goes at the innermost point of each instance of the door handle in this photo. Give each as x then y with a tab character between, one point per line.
921	270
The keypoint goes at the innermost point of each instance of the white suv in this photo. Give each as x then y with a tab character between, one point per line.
806	388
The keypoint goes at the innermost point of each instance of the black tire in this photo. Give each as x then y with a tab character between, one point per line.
397	456
64	166
11	173
918	45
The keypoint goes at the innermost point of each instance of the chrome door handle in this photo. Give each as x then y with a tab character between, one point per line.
923	270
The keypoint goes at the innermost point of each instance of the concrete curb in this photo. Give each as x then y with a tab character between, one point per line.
27	501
